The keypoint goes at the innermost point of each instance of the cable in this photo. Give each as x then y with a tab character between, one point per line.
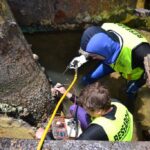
54	112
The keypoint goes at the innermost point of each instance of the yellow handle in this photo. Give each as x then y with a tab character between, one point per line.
54	112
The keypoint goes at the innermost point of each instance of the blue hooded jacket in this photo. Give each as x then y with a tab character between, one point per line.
95	40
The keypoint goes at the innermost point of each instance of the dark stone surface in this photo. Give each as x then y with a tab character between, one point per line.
14	144
55	11
73	14
23	83
46	15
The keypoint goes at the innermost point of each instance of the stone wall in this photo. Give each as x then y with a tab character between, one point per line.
14	144
73	14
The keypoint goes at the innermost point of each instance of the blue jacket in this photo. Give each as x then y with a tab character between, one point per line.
97	41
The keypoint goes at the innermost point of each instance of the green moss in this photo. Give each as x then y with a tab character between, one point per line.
148	23
126	16
115	15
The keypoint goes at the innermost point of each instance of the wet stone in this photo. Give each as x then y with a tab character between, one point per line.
15	128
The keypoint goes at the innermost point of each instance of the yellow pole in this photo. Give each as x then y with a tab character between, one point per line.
54	112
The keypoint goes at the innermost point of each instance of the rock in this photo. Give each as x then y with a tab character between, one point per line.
14	144
15	128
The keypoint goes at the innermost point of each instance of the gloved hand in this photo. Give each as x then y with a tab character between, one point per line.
77	62
132	90
132	87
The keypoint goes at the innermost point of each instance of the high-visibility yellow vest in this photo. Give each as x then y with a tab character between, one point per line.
119	129
130	40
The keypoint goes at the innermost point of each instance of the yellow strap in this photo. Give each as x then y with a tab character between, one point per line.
54	112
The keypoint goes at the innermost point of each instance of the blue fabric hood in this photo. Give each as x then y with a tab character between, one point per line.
96	40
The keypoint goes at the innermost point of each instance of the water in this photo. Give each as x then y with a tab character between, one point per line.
55	51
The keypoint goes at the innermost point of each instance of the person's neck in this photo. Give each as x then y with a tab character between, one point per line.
109	110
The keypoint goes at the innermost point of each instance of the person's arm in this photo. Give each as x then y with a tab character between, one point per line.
99	72
93	132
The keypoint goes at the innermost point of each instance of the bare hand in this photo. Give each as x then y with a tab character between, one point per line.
39	133
58	89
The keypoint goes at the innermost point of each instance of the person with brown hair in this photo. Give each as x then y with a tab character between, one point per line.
101	117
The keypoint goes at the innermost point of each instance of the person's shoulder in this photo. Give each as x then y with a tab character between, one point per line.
94	132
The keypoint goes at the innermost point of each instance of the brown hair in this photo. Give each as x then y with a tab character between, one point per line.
95	97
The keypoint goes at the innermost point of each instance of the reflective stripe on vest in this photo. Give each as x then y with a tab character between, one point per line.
131	39
120	129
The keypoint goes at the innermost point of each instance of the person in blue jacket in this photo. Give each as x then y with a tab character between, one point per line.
119	48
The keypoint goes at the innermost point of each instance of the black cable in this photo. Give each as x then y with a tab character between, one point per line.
76	120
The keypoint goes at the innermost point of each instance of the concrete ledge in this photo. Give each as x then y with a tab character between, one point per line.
15	144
